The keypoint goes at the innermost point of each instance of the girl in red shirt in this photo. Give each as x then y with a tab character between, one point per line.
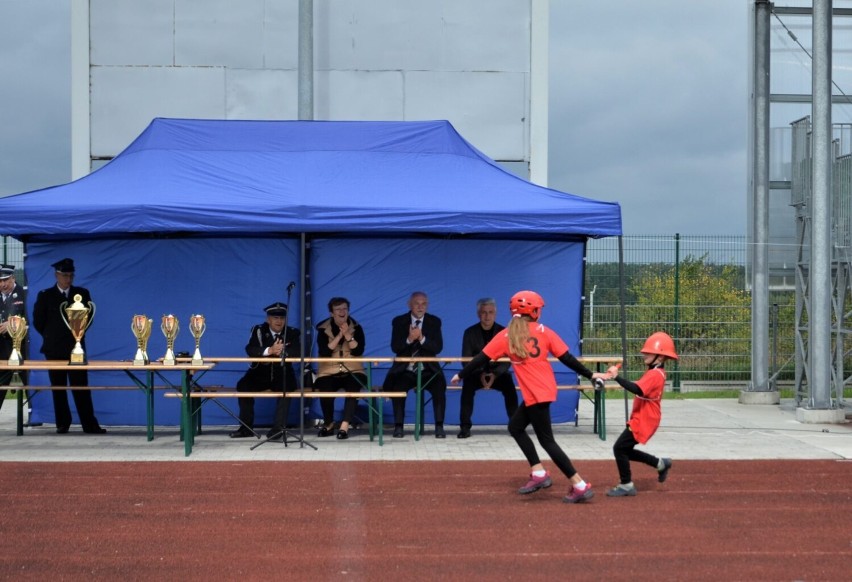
528	344
646	414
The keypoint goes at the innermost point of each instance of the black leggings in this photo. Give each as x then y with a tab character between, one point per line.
625	452
538	415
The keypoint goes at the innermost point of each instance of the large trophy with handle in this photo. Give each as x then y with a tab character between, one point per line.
197	327
77	318
170	328
141	328
16	327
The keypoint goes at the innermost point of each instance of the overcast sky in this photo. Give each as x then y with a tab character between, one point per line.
649	107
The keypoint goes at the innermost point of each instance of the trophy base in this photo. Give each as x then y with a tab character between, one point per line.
15	359
196	358
141	359
78	360
169	358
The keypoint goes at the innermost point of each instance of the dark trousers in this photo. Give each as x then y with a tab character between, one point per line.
348	382
625	452
405	381
503	383
538	415
82	399
282	406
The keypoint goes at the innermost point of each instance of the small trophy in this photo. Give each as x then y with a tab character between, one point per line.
16	327
77	318
141	328
197	327
170	329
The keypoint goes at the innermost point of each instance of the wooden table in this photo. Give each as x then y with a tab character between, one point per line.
151	370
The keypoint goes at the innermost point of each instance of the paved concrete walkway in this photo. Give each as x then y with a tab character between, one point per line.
712	429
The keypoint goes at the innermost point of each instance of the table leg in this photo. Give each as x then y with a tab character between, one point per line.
418	393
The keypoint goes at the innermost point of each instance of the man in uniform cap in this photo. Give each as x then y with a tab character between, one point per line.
57	345
13	301
269	340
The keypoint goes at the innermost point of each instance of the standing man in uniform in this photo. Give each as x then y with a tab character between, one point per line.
490	375
57	345
13	301
268	340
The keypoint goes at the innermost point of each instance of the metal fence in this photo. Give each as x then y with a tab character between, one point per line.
693	287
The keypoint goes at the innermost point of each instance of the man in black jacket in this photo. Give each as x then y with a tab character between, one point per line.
492	375
57	345
13	301
268	340
417	334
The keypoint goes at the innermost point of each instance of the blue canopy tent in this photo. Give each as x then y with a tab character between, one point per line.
216	217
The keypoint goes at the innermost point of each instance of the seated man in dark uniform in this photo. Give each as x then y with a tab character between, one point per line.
492	375
268	340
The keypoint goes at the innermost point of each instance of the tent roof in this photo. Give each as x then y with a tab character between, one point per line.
231	177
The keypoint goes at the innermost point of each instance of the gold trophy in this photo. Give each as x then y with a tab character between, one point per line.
141	328
197	327
77	318
16	327
170	329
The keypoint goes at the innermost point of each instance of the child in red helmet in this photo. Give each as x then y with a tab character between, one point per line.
646	414
528	344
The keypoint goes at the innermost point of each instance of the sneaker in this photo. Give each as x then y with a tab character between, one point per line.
579	496
667	464
622	491
536	483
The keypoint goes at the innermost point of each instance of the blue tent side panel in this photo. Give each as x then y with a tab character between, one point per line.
230	280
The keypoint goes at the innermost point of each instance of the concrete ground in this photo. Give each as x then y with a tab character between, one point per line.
701	429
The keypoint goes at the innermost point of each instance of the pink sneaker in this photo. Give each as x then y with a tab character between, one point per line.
579	495
536	483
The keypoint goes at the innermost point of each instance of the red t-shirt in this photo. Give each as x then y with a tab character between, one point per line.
534	373
646	415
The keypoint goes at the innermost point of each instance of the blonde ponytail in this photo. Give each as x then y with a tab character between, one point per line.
519	333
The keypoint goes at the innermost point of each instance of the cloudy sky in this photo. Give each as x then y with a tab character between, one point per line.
649	107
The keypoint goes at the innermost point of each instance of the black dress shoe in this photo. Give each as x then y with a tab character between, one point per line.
398	433
439	432
325	432
240	433
275	433
62	429
95	430
342	435
464	433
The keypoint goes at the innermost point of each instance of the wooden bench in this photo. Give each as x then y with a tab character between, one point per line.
598	400
189	429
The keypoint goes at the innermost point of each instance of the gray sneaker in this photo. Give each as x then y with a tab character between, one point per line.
622	491
667	464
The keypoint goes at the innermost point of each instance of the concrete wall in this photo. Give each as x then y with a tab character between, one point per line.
467	61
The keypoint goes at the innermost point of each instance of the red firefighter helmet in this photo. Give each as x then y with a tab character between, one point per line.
526	303
660	343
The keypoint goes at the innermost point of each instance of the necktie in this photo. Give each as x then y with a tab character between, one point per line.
416	350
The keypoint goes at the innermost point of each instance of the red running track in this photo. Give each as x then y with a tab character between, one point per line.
712	520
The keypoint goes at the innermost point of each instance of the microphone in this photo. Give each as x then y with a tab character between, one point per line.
291	285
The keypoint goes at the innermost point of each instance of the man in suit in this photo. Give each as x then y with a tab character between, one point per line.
269	340
417	334
492	375
13	301
57	345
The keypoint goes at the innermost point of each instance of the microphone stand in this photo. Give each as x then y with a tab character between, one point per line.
284	432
